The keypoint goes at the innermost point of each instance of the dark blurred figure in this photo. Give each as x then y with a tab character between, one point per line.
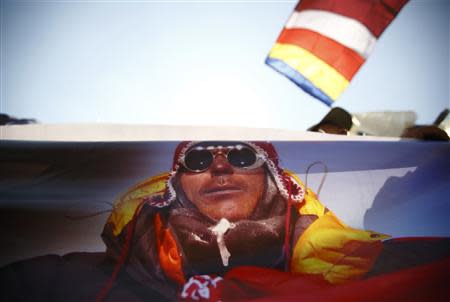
9	120
337	121
429	132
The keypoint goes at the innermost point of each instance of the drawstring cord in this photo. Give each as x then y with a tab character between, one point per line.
131	226
81	217
85	216
287	227
123	256
287	245
322	181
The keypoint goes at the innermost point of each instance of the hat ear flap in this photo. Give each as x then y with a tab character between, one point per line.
297	188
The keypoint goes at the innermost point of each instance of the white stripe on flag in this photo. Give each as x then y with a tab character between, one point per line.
347	31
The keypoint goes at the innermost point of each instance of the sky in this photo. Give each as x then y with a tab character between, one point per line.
200	63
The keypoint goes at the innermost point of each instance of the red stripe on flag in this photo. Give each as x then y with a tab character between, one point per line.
395	5
376	15
343	59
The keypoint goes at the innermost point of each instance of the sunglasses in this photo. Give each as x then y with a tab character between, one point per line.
199	158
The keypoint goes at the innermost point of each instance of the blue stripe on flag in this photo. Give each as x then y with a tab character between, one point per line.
299	80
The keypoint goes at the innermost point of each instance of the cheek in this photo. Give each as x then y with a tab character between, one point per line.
256	186
191	184
254	183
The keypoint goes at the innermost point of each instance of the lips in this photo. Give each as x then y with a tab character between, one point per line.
222	190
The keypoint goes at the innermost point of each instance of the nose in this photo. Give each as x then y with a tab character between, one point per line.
220	165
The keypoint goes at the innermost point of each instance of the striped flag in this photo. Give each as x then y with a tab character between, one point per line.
325	42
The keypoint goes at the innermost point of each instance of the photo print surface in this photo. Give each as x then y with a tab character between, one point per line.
224	219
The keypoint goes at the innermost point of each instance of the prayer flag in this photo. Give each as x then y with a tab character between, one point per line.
325	42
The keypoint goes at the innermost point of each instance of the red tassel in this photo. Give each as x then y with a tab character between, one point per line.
123	256
287	244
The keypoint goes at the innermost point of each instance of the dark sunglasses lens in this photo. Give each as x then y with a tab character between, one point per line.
241	158
198	160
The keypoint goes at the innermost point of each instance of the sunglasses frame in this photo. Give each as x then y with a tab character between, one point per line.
260	159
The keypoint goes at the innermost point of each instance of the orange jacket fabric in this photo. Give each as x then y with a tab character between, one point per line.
327	247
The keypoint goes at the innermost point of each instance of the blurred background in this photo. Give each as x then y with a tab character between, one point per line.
200	63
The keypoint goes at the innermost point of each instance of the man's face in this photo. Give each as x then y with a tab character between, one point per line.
224	191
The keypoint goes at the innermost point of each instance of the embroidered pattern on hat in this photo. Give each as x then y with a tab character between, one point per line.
281	178
157	201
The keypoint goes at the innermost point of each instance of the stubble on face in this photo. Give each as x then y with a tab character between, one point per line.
233	194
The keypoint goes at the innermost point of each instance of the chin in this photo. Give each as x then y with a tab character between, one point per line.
231	215
231	209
